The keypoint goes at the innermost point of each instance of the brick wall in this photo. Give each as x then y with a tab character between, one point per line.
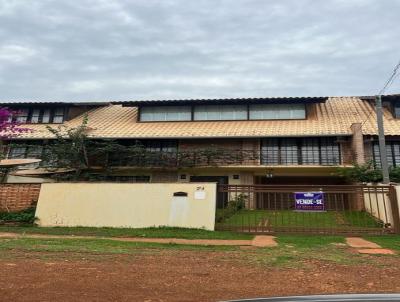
18	197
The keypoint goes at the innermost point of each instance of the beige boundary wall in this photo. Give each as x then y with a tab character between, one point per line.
127	205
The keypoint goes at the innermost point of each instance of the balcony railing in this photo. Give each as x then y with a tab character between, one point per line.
218	157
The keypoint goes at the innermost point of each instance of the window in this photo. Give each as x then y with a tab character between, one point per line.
46	116
222	112
165	113
330	154
392	154
162	145
279	152
58	117
277	111
35	117
38	115
26	151
310	151
397	110
22	115
302	151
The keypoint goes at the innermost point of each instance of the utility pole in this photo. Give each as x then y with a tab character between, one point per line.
382	144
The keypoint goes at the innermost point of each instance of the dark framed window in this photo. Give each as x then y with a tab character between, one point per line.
22	115
392	154
40	115
397	109
22	150
300	151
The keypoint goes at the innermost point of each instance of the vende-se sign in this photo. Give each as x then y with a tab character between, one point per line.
309	201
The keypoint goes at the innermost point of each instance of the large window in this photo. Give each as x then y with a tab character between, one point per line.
165	113
220	112
277	111
26	151
40	115
392	154
302	151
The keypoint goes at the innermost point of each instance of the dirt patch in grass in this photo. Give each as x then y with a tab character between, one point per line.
176	275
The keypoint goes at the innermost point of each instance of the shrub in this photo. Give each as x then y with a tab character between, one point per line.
361	173
26	216
234	205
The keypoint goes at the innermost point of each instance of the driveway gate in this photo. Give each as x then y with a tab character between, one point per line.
339	209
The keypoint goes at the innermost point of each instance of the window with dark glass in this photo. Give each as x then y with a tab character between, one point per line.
301	151
392	154
397	110
40	115
26	151
22	115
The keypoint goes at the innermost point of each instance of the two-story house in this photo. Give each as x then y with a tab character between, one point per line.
283	140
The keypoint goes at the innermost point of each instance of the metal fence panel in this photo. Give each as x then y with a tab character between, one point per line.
348	209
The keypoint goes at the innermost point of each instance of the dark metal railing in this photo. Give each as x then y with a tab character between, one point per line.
272	208
217	157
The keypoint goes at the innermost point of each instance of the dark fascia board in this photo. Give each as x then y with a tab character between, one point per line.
385	98
225	101
39	103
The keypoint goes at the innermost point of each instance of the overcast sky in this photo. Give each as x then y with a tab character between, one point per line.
86	50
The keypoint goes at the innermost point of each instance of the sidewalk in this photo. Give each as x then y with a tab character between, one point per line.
258	241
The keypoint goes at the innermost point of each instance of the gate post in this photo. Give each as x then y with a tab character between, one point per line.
395	209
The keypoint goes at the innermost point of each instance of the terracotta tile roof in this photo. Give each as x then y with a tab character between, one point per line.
334	117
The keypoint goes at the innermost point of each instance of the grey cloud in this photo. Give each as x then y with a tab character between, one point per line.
101	50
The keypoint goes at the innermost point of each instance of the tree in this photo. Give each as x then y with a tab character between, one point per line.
69	150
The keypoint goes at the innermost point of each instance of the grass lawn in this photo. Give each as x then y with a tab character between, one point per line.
162	232
389	241
286	218
296	250
92	246
292	250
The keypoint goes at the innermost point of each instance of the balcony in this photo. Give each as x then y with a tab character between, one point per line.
218	158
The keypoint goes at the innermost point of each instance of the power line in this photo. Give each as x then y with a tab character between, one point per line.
389	82
391	79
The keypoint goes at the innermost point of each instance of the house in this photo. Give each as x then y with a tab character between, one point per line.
281	140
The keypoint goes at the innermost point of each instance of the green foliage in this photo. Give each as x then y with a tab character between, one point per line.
361	173
395	174
235	204
368	173
69	150
26	216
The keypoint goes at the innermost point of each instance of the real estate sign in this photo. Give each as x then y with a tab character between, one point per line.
309	201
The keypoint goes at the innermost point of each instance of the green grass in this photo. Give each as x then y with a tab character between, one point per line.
388	241
299	250
93	246
162	232
287	218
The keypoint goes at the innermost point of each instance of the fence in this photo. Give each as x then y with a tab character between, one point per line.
345	209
